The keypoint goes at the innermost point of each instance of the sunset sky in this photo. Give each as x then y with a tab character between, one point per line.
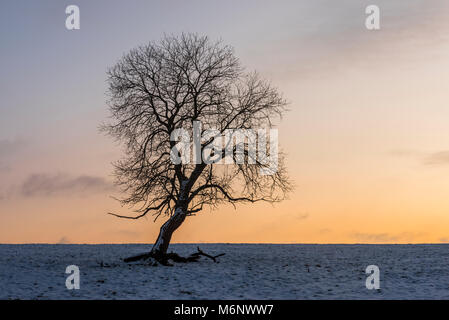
366	138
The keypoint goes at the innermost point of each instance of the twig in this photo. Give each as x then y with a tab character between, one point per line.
201	253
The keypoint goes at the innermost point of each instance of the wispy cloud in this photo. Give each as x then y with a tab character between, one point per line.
61	184
406	153
437	158
8	147
301	216
375	237
384	237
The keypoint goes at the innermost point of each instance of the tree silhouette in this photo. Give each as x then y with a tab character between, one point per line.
161	87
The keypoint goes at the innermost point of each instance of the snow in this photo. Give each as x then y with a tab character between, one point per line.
247	271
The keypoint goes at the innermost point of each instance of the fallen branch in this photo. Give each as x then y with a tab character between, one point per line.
201	253
163	259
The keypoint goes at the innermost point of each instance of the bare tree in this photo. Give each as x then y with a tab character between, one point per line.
158	88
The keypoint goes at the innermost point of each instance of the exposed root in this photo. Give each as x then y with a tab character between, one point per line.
163	259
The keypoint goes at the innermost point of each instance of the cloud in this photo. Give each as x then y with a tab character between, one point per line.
444	240
437	158
9	147
334	39
375	237
405	153
4	167
295	216
387	237
301	216
60	184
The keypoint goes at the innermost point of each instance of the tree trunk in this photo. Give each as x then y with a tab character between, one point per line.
167	229
159	250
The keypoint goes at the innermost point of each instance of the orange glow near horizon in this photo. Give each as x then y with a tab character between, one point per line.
367	139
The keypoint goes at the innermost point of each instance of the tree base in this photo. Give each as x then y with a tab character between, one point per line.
163	259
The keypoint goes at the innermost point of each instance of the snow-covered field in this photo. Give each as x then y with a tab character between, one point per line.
247	271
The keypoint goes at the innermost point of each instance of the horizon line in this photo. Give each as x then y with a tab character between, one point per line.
230	243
